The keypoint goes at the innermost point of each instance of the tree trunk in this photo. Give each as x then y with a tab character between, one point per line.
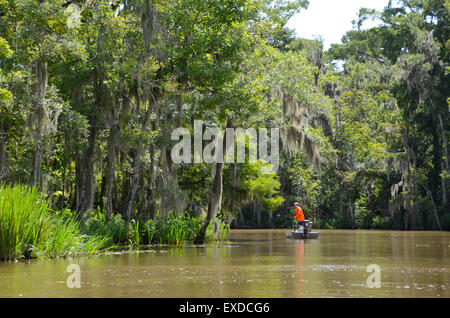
271	224
134	182
153	206
435	171
445	169
214	203
42	81
85	175
436	217
351	211
2	156
179	108
215	193
86	190
258	214
411	193
241	216
111	160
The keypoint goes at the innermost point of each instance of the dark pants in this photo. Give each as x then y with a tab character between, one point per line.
302	223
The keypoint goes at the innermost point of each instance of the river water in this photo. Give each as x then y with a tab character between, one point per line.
255	263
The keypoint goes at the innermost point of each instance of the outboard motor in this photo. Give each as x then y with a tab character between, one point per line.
306	229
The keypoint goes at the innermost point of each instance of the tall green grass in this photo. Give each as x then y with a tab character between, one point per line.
218	235
28	228
173	230
134	235
67	241
115	231
23	221
177	230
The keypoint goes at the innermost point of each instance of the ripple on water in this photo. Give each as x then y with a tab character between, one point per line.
332	268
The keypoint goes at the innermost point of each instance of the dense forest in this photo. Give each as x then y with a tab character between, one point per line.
91	90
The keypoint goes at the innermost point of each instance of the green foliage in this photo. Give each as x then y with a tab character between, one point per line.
306	187
264	186
5	50
29	229
382	223
363	216
89	98
171	229
445	221
133	235
217	232
115	230
66	240
329	224
176	230
24	220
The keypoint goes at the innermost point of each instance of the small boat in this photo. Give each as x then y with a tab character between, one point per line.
305	234
297	235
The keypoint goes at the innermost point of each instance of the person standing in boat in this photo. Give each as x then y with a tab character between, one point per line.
299	216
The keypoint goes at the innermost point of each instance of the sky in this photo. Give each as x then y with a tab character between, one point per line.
330	19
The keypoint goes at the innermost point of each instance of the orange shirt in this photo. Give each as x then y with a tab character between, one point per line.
299	214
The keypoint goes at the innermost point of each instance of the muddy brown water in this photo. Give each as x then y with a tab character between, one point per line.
255	263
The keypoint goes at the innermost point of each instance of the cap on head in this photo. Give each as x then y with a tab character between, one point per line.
296	203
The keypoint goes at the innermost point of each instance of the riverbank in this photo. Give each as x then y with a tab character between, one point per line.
29	228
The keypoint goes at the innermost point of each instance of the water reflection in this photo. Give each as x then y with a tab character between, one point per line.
254	264
300	254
